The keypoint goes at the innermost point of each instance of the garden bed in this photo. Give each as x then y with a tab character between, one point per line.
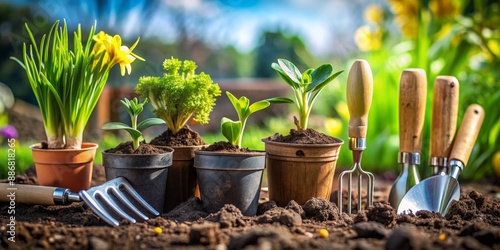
472	223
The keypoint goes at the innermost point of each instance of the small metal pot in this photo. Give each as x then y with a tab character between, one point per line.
230	178
146	173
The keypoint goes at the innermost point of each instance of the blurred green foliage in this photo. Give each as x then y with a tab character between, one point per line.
460	39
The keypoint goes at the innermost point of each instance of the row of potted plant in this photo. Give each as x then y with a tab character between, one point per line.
177	164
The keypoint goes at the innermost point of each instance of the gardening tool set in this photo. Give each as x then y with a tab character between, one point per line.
359	98
112	201
437	192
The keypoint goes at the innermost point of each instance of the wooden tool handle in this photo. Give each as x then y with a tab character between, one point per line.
444	115
359	97
412	97
27	194
467	134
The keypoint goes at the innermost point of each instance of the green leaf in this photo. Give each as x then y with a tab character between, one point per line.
231	130
149	122
280	100
260	105
290	70
290	82
134	133
324	83
320	75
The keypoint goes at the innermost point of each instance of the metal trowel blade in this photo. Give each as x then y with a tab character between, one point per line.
433	194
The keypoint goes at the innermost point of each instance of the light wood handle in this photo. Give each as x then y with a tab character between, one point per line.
412	97
359	97
27	194
467	134
444	115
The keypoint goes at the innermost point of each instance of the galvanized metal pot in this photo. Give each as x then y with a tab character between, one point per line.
300	171
229	178
146	173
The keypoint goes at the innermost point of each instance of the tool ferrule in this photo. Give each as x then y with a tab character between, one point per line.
61	196
357	144
410	158
438	161
456	168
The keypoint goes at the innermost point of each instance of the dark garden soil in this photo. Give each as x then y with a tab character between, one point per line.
185	137
472	223
306	136
143	149
226	147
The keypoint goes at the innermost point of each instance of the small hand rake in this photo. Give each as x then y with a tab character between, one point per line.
359	97
112	201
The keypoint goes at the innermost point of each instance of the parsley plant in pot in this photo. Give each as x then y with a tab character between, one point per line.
178	96
227	173
301	165
67	82
145	166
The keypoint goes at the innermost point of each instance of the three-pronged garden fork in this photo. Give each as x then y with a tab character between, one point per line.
359	98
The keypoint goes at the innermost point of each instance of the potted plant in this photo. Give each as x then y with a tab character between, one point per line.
67	83
227	173
145	166
178	96
301	165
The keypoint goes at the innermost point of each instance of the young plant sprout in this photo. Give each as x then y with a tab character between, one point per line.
180	94
233	130
134	108
306	87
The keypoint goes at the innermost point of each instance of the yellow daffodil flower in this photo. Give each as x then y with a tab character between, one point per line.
406	12
115	52
444	8
367	40
374	14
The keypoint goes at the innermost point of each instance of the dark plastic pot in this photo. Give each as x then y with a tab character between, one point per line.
146	173
229	178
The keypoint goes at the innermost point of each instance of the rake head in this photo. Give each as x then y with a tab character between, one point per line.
116	200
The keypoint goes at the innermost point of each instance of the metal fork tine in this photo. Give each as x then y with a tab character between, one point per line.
349	199
98	209
116	208
360	186
127	202
124	184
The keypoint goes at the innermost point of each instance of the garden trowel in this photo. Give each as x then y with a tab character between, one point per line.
436	193
412	97
112	201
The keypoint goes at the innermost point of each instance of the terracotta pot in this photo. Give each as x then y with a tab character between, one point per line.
230	178
66	168
182	182
300	172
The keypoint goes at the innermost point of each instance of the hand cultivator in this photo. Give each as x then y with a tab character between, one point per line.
359	97
112	201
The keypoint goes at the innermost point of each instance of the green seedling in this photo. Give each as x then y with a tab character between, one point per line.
306	87
134	108
233	130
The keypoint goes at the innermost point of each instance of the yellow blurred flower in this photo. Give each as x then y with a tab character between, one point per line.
374	13
333	126
406	12
444	8
367	40
115	53
342	110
